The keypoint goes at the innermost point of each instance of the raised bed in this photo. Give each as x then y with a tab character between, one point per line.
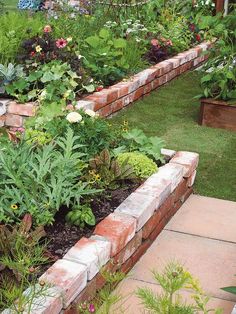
218	114
120	239
112	99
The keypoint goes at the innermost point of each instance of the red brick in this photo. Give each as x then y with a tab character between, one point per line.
69	277
28	109
165	67
172	74
162	80
157	230
14	120
112	94
123	89
129	249
119	229
175	62
192	178
147	88
105	111
128	99
133	83
180	190
138	93
117	105
100	100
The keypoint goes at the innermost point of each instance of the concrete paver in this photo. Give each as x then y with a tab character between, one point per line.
202	237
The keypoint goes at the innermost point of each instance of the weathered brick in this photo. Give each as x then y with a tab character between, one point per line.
146	76
162	80
50	301
28	109
117	105
138	93
187	159
129	249
14	120
156	186
93	253
133	84
171	75
123	89
105	111
2	120
180	190
85	104
139	206
69	277
165	66
128	99
168	152
147	88
172	172
192	178
155	83
118	228
175	62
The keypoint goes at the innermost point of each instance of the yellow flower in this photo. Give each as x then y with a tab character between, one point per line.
14	206
125	122
97	177
69	39
125	130
38	48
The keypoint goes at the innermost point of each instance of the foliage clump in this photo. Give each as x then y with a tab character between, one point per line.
143	166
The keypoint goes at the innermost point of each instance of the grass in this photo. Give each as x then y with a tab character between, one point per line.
10	4
172	113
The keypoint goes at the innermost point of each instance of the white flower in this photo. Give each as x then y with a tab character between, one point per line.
90	112
74	117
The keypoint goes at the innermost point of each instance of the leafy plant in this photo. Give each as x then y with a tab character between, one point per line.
231	289
40	180
20	258
136	140
81	215
103	56
142	166
8	74
108	172
174	278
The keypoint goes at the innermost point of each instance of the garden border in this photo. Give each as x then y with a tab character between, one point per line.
110	100
120	239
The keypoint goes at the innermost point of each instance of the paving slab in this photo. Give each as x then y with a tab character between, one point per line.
211	261
131	304
207	217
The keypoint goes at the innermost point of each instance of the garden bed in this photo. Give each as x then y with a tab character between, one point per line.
110	100
217	114
121	238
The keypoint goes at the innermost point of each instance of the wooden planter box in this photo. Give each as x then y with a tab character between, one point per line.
217	114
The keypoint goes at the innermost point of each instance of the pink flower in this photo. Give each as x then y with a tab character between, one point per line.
70	107
61	43
47	29
169	42
99	88
198	37
155	42
91	308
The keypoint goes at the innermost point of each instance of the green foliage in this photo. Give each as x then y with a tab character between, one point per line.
136	140
15	27
39	181
104	56
8	74
107	172
231	289
143	166
219	80
81	215
174	278
37	137
20	258
49	82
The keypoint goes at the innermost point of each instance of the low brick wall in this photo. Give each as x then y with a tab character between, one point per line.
121	238
112	99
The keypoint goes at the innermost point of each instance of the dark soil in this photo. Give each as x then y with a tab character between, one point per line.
62	237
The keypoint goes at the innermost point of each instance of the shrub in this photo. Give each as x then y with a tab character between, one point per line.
142	166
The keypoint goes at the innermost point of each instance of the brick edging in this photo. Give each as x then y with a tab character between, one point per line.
112	99
121	238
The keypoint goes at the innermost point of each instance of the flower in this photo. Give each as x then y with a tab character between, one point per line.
61	43
91	308
69	39
38	48
99	88
155	42
47	29
70	107
32	53
90	113
14	206
169	42
198	37
74	117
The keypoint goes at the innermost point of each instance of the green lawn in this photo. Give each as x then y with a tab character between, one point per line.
10	4
172	113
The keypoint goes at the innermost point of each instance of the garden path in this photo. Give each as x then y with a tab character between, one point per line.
202	236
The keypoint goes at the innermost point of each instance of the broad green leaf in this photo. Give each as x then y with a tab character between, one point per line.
119	43
231	289
104	33
93	41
